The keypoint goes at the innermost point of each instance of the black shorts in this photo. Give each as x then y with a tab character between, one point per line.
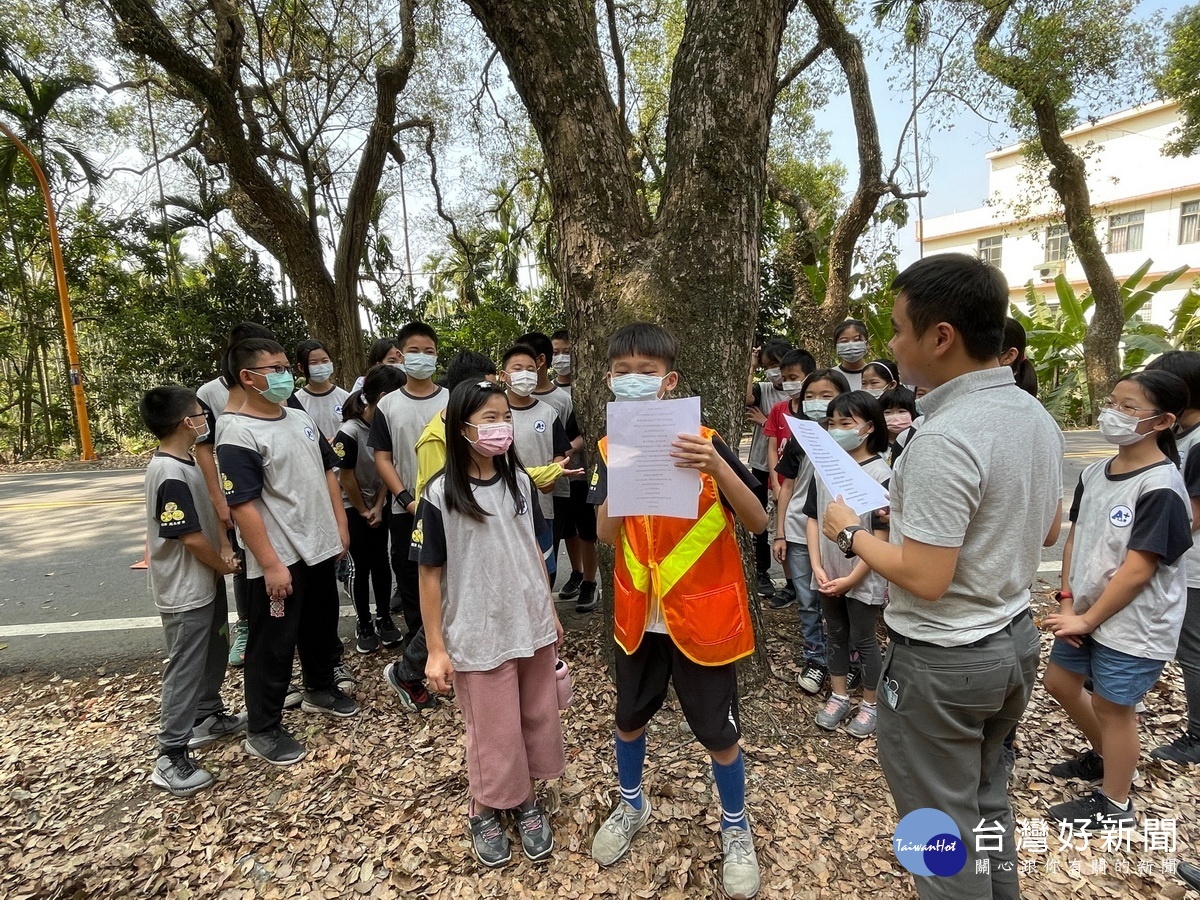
708	695
574	516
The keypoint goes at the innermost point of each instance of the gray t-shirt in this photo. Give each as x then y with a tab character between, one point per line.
496	602
873	587
539	436
1146	509
854	379
399	420
353	452
325	409
177	504
795	465
213	397
983	474
769	397
560	399
1188	442
279	465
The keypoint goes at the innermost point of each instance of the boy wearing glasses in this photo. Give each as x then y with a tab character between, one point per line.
285	498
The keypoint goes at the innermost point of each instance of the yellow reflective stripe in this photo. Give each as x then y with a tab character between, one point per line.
690	548
638	572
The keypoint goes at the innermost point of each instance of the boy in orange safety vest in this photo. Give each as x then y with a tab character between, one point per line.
681	612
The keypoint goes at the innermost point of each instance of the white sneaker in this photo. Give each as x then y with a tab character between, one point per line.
612	840
739	870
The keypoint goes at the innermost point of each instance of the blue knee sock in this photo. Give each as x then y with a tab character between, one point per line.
630	757
731	786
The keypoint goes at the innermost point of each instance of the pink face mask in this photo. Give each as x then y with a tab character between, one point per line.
898	421
494	438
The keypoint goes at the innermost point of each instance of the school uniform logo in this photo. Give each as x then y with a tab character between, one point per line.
226	483
522	506
309	433
418	535
340	450
171	514
539	426
1121	516
338	409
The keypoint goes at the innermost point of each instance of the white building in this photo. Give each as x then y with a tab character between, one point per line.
1146	205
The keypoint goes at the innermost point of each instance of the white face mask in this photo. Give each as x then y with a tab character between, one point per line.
774	376
1121	428
851	351
815	409
874	392
561	363
792	388
847	438
522	383
320	372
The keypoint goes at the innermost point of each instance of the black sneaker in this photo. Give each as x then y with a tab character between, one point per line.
332	702
784	597
764	586
489	841
1085	767
1190	875
854	680
812	678
389	634
413	695
536	838
367	640
276	747
176	773
588	600
1095	812
1184	749
570	590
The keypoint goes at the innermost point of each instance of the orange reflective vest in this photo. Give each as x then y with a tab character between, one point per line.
694	567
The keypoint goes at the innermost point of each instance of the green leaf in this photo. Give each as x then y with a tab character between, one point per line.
1069	303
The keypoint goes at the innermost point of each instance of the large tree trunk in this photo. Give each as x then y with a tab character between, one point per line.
695	268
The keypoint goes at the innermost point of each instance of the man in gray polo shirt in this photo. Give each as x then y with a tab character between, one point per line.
975	496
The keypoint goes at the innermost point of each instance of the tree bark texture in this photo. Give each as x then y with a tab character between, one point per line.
694	267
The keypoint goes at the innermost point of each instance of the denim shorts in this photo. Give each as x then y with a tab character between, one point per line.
1117	677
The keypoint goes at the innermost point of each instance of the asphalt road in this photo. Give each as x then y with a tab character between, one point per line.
69	600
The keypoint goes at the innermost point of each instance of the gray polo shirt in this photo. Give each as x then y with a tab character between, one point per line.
177	504
399	420
984	474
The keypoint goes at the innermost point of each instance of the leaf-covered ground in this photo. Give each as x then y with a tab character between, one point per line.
377	808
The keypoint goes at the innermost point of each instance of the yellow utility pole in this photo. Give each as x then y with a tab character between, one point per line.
64	302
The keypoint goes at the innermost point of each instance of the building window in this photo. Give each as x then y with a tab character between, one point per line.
1189	222
1125	231
1057	242
988	250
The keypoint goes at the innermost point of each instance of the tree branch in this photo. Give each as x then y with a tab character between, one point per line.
798	69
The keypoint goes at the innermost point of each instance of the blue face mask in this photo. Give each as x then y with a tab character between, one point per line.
420	365
320	372
847	438
636	387
815	409
280	386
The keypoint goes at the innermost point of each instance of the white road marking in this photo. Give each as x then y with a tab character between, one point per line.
86	626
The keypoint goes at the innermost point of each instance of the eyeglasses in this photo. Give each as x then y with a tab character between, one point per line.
1128	408
278	370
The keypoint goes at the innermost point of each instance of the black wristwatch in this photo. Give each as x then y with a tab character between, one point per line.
845	539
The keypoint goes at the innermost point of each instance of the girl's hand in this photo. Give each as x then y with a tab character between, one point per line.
439	671
693	451
779	550
558	631
837	587
1070	628
820	575
374	516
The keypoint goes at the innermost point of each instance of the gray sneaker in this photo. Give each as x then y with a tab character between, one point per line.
836	711
342	678
217	726
612	840
332	702
739	870
176	773
863	723
488	840
293	697
536	838
276	747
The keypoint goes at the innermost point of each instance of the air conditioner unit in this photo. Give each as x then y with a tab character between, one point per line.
1048	271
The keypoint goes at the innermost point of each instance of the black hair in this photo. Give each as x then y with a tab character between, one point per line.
467	365
1169	394
1185	364
245	355
415	329
380	347
518	350
899	397
465	400
303	349
887	369
863	406
561	335
775	348
1023	371
833	376
541	345
242	331
163	408
962	291
379	380
847	324
801	358
642	339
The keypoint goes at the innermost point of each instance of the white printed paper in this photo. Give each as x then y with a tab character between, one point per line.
643	479
841	474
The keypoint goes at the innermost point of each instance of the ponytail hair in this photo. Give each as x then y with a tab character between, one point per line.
379	380
1169	394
